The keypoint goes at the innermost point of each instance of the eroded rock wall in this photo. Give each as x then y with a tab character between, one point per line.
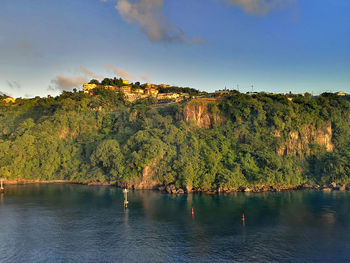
203	112
298	142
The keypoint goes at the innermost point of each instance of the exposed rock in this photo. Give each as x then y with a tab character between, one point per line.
180	191
204	112
327	189
298	141
189	189
342	187
147	180
247	189
171	189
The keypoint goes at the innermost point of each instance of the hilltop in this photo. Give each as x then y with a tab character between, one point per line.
194	141
135	91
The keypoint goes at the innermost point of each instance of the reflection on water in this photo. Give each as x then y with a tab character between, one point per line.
74	223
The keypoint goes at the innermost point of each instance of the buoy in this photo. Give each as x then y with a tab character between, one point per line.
192	211
243	220
243	217
125	191
2	189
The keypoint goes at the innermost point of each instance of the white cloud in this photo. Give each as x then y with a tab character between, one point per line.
119	72
64	83
148	15
89	73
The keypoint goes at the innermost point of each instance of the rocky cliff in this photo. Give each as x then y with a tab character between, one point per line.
298	142
203	112
147	181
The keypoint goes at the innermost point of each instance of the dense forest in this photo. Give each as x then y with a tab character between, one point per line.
262	139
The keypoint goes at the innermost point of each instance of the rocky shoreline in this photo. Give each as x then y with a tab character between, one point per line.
172	189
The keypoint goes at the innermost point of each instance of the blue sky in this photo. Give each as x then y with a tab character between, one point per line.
274	45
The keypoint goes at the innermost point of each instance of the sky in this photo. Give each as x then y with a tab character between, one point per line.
249	45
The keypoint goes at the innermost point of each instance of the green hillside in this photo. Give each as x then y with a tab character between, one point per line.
249	140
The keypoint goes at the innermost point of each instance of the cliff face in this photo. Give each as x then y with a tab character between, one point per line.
298	141
203	112
147	181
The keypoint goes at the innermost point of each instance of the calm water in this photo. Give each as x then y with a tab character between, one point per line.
74	223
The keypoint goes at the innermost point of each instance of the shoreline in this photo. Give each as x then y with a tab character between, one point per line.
37	181
171	189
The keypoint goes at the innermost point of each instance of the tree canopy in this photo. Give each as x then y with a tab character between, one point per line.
102	138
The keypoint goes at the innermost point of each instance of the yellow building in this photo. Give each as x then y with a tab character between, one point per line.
88	87
125	82
152	92
340	93
114	88
139	91
9	99
168	96
125	89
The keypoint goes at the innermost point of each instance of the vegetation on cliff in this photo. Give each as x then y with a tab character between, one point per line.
246	140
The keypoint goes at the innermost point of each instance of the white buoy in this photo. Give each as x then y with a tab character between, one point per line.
2	189
125	191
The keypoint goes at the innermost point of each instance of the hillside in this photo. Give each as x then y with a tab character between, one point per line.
225	143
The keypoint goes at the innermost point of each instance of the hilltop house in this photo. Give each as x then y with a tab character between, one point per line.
9	99
145	91
152	92
168	96
88	87
125	89
340	93
139	91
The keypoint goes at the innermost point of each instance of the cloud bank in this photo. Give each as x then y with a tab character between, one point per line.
89	73
84	75
64	83
119	72
148	15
